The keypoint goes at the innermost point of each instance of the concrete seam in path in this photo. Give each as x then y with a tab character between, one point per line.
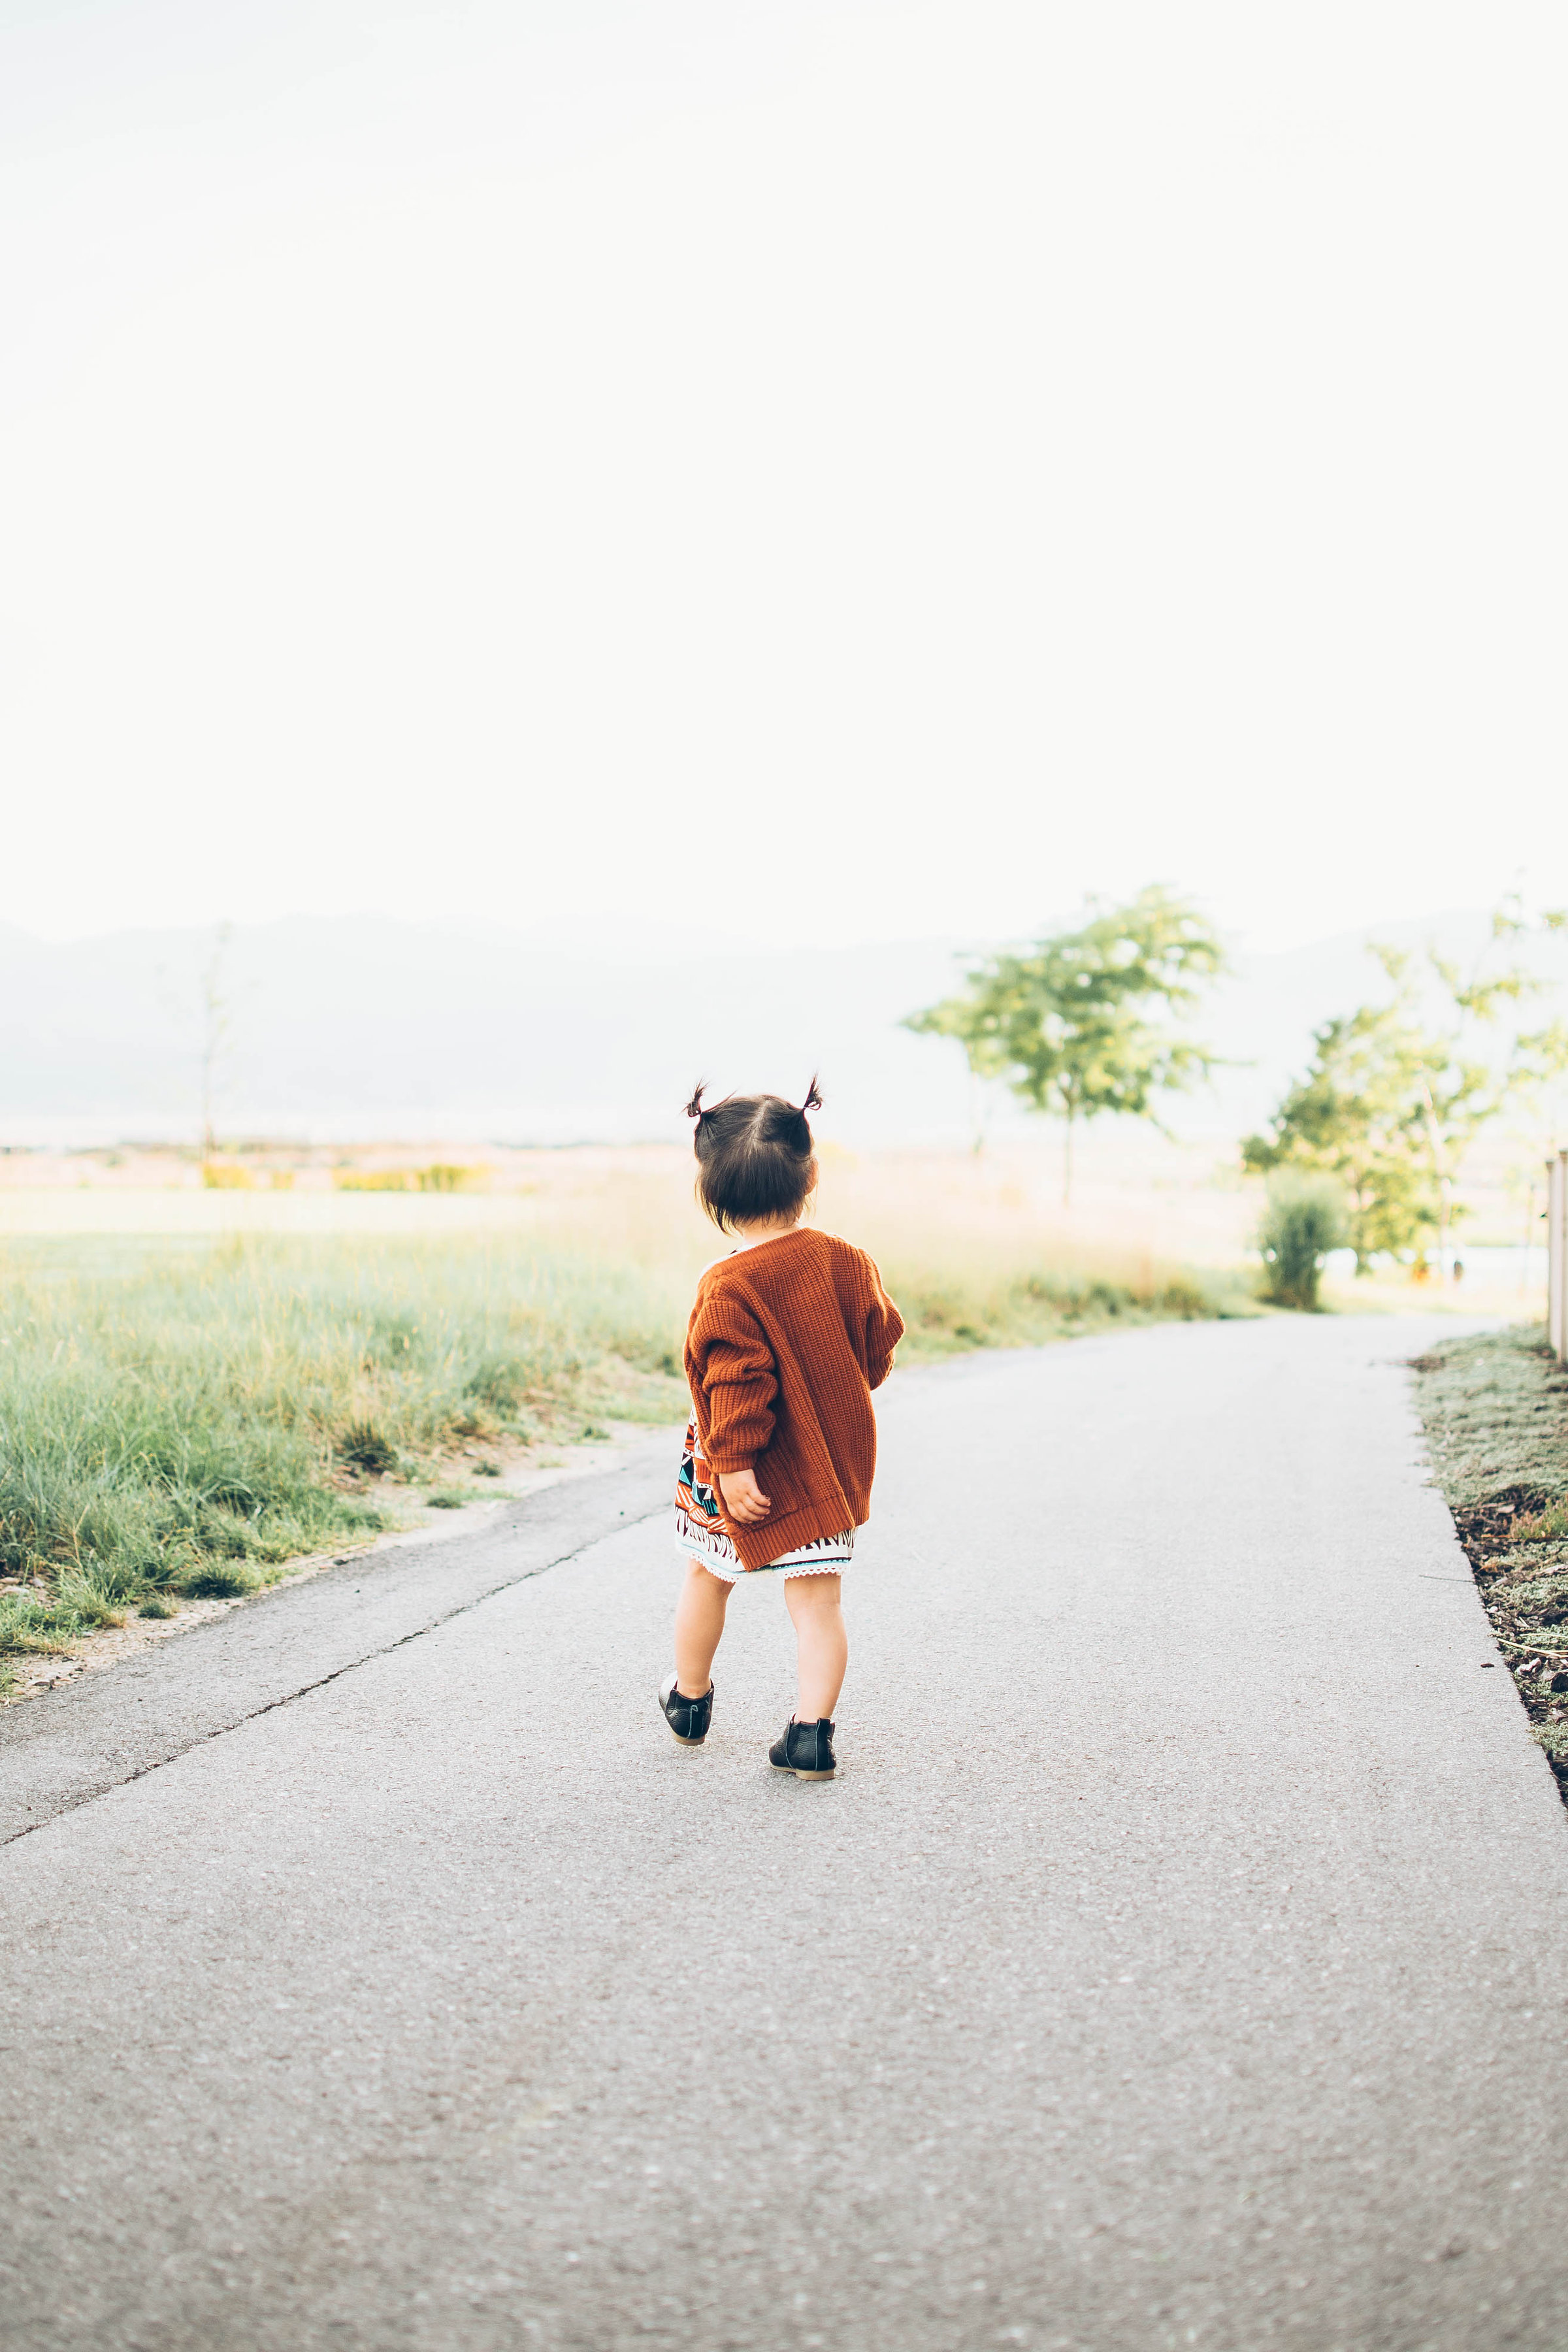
320	1682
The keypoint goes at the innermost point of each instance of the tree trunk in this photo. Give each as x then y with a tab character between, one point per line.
1443	1189
1440	1169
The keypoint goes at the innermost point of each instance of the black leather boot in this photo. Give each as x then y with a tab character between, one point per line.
805	1749
689	1718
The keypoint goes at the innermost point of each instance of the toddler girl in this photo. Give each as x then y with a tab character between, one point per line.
789	1336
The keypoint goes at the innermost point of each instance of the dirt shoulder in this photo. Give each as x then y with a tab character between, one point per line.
1495	1409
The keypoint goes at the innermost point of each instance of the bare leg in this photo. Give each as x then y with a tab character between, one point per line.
822	1644
699	1623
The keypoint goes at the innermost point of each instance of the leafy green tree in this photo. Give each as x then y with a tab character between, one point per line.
1070	1022
1357	1116
1393	1099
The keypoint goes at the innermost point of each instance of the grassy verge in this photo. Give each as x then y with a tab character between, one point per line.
177	1423
1496	1411
948	1311
178	1420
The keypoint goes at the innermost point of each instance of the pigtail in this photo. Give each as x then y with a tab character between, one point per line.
813	1099
694	1108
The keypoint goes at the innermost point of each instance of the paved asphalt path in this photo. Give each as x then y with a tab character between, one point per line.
1178	1958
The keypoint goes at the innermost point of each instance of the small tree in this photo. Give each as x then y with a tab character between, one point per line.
1390	1104
1067	1022
1358	1116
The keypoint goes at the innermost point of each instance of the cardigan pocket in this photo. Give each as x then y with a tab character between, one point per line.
784	1491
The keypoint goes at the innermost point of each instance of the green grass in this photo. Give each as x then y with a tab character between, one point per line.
1495	1408
948	1311
1495	1413
181	1421
178	1419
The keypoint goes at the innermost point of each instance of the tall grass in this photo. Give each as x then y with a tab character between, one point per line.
178	1419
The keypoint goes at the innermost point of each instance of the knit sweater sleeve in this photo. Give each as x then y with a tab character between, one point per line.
733	1379
884	1327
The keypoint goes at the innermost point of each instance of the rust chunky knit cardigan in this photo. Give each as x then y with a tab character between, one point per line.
786	1341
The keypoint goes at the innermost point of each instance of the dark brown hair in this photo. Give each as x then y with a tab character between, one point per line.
753	1157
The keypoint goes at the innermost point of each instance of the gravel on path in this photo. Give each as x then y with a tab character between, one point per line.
1178	1958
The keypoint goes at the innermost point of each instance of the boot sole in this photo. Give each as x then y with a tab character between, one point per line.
804	1776
680	1740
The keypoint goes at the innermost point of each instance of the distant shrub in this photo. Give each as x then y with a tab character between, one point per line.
1184	1300
363	1448
214	1582
441	1176
1303	1221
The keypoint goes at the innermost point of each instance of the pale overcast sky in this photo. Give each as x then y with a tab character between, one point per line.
830	472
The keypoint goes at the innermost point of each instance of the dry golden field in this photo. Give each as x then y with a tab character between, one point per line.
1143	1206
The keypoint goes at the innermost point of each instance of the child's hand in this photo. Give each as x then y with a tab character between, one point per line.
744	1498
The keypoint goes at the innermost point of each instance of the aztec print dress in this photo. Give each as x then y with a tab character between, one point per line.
699	1531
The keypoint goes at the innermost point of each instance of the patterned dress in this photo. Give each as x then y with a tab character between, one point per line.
699	1531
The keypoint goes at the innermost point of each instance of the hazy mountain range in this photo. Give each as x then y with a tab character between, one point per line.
364	1027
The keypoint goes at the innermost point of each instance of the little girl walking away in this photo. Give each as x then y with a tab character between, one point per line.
789	1336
